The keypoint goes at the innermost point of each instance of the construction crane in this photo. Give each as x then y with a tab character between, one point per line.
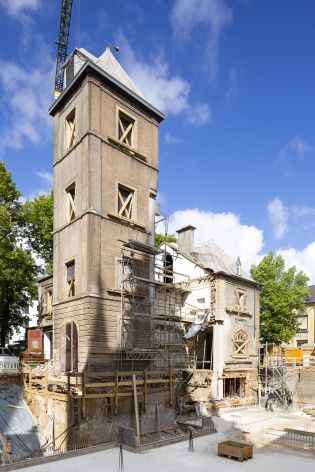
62	44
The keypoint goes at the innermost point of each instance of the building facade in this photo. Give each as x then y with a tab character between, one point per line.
105	185
219	307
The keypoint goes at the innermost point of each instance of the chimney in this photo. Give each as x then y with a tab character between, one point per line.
185	239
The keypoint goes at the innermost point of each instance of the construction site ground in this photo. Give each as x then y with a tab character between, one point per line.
261	428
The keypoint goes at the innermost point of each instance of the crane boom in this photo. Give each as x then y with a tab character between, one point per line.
62	43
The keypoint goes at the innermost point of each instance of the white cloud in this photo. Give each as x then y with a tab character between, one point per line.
170	139
237	239
302	210
188	15
199	114
167	92
26	95
18	7
297	147
278	217
303	259
23	12
43	188
46	177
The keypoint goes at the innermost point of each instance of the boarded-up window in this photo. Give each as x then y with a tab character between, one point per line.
71	202
240	342
69	348
125	202
125	129
70	131
70	278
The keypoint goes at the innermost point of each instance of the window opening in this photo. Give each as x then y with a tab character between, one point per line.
125	202
240	300
234	387
49	302
303	323
70	130
124	270
168	268
125	129
71	202
69	349
71	278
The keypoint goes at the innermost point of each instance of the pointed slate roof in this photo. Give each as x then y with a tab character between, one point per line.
108	62
212	256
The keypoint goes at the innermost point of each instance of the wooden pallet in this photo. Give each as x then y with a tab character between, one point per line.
235	450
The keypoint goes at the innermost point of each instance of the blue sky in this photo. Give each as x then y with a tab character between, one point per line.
236	80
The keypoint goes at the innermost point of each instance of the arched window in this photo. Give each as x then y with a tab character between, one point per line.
168	268
240	343
69	348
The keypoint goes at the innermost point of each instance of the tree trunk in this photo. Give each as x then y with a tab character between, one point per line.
2	337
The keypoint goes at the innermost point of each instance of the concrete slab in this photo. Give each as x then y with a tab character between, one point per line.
176	457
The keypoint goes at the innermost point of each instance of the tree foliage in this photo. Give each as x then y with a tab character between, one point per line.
282	296
18	270
38	230
160	238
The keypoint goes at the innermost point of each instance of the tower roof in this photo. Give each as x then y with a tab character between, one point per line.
110	70
108	62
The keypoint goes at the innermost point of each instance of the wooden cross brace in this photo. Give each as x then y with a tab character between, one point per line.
126	204
125	132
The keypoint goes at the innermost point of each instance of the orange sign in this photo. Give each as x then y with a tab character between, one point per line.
35	341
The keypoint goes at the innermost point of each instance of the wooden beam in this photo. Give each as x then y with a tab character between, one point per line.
116	393
145	390
171	387
30	385
110	395
83	411
46	390
135	397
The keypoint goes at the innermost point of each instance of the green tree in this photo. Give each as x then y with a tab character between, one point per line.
38	230
18	270
282	296
160	238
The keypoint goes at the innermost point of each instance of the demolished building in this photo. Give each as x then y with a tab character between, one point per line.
219	304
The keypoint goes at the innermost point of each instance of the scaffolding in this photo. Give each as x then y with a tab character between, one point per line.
273	375
151	323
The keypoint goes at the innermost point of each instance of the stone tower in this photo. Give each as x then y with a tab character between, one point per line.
105	184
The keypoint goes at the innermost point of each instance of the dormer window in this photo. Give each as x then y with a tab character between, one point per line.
125	129
70	131
69	72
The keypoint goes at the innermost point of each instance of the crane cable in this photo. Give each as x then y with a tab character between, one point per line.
78	25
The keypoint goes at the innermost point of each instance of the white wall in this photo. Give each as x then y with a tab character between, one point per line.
19	334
